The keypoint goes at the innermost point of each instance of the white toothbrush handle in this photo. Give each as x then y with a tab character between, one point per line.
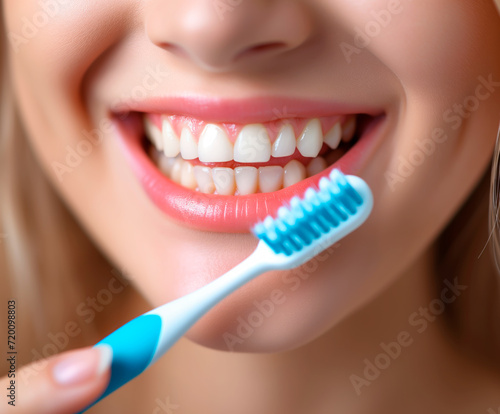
179	315
142	341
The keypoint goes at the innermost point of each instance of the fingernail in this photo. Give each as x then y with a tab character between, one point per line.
81	366
105	358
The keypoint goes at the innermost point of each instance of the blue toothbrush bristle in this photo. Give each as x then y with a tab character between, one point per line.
307	219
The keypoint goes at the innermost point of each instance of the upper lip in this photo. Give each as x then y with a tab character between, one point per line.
243	111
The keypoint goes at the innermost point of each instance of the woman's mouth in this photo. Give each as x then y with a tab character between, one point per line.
235	159
226	176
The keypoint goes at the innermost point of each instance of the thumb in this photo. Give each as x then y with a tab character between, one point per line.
67	383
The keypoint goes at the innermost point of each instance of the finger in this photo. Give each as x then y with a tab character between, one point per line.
66	384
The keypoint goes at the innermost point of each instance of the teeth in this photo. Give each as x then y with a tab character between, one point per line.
153	133
349	128
214	145
294	172
316	166
284	145
171	144
311	140
188	146
246	180
224	180
270	178
176	171
165	164
332	138
252	145
204	179
188	178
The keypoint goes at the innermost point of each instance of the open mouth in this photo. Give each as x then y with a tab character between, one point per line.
226	176
231	159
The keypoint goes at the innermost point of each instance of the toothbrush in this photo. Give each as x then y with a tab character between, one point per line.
301	231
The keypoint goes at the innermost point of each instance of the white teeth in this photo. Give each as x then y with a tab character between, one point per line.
188	146
188	179
284	145
294	172
214	145
165	164
332	138
246	180
171	144
176	171
252	145
224	180
311	140
204	179
153	133
349	129
316	166
270	178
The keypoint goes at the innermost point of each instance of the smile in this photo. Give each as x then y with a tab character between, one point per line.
232	159
226	175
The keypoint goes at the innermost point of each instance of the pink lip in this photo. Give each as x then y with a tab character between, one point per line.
245	111
229	214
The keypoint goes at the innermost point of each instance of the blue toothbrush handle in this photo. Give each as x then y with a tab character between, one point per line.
300	232
142	341
133	345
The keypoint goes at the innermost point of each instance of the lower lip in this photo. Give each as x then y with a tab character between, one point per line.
227	214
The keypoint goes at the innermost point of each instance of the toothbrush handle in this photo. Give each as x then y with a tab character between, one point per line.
133	345
142	341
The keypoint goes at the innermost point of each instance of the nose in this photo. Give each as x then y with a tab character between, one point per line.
217	35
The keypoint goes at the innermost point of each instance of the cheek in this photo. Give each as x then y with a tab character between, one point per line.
52	46
430	45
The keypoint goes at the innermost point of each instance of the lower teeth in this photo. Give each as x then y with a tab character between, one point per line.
243	180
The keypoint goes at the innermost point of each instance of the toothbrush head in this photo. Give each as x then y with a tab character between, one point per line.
323	215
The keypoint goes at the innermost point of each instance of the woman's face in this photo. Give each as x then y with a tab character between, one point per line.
421	80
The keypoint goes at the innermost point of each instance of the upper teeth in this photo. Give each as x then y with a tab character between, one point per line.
253	144
171	143
284	145
311	139
188	146
214	145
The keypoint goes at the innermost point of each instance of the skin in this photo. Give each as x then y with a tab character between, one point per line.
428	59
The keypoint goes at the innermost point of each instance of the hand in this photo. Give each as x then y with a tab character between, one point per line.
68	383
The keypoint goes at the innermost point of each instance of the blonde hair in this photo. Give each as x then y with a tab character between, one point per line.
47	254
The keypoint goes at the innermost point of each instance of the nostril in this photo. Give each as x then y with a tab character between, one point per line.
174	49
170	47
262	48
